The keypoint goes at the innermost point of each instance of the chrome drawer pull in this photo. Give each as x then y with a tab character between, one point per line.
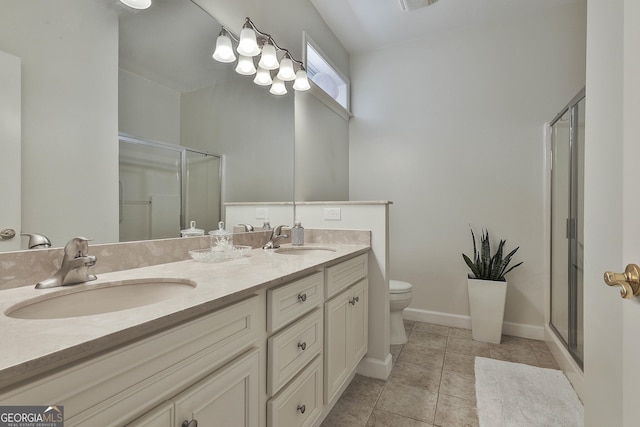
302	345
302	408
302	297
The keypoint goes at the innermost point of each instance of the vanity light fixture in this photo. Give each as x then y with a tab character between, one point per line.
286	72
137	4
268	59
224	49
278	87
245	66
253	42
263	77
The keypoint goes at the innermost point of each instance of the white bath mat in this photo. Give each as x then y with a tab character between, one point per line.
516	395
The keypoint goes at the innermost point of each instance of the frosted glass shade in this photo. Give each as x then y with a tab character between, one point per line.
224	50
245	66
263	77
302	82
278	87
268	60
137	4
286	72
248	45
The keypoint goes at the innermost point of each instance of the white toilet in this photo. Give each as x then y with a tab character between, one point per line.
400	296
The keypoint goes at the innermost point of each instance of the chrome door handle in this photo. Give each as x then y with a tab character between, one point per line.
629	281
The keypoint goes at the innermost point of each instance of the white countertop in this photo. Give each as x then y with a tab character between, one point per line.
30	347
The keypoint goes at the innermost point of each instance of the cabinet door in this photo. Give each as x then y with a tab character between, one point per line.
228	397
337	365
161	416
359	321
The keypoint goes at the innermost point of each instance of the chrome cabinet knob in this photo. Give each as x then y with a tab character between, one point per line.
302	345
302	408
192	423
302	297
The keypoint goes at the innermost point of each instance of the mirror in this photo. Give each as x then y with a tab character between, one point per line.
72	109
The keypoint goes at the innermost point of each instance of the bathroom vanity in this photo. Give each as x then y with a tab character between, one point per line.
271	339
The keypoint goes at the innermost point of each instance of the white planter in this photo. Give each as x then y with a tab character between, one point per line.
486	303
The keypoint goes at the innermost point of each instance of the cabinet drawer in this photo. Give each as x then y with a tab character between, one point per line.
342	275
292	348
293	300
300	403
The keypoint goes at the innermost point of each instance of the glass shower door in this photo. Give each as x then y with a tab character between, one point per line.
567	214
202	188
149	192
165	187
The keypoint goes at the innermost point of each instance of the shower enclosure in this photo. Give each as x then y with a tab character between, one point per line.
567	243
164	187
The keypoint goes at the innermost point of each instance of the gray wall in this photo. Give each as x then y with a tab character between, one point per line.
69	115
461	142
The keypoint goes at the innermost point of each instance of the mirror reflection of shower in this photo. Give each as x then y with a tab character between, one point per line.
163	187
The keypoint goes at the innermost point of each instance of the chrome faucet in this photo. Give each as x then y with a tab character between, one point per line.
276	234
247	227
37	241
75	265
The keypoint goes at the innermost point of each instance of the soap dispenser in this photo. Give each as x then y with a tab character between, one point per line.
297	233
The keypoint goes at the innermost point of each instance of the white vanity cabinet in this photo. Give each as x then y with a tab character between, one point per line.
120	385
346	323
294	352
228	397
276	358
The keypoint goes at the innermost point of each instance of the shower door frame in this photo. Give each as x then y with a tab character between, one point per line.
571	226
183	167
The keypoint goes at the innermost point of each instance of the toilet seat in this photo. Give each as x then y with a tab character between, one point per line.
399	287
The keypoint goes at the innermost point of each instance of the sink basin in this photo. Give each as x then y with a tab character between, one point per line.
101	298
304	250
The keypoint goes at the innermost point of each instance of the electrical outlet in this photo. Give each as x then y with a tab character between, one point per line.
262	213
332	214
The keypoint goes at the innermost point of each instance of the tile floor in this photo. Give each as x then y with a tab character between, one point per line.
432	382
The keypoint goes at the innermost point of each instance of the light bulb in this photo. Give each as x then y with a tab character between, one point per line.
248	45
137	4
302	82
224	51
278	87
268	60
263	77
245	66
286	72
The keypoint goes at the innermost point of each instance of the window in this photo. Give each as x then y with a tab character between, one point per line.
334	86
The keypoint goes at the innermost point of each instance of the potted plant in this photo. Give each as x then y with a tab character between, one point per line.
488	288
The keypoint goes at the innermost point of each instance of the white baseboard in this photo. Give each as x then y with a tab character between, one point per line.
464	322
375	368
569	366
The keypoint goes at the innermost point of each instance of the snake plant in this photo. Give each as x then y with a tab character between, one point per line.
485	266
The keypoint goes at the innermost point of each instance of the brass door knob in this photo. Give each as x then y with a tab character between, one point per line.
629	281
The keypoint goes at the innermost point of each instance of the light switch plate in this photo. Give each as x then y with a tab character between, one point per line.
332	214
262	213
